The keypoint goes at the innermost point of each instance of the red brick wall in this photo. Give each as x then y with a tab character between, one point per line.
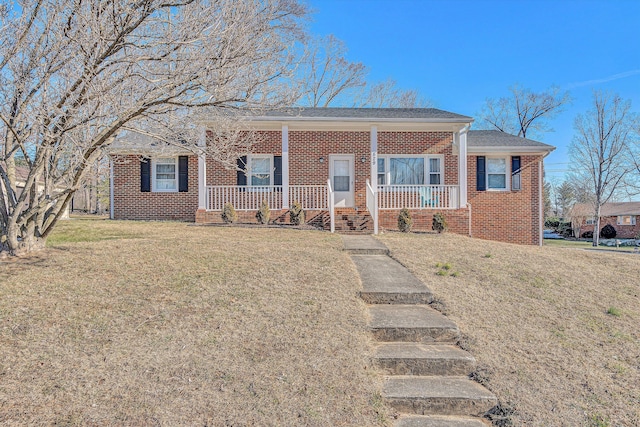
623	231
130	203
507	216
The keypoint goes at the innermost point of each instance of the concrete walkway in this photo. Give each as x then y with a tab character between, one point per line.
427	374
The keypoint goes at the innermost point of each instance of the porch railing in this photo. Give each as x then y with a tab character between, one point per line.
243	198
310	196
418	196
249	198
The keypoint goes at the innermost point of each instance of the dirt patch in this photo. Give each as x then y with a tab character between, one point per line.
555	330
134	323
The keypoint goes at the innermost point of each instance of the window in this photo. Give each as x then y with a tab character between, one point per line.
626	220
260	170
165	174
590	221
397	170
497	174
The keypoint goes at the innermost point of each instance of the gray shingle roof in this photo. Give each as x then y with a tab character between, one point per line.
427	114
495	138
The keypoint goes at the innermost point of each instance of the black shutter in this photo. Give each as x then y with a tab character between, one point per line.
515	165
481	176
183	174
241	177
277	170
145	175
516	184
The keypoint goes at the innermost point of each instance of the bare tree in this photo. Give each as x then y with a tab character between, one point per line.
524	112
387	95
599	148
74	75
326	74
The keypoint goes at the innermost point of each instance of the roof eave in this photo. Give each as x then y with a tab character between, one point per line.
510	149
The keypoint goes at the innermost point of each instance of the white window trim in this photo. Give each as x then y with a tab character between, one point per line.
507	173
154	186
250	159
620	220
427	170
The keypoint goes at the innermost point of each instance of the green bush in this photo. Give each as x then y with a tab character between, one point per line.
404	220
439	223
229	214
296	214
552	222
587	235
608	232
264	213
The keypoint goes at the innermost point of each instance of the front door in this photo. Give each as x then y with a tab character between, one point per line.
341	171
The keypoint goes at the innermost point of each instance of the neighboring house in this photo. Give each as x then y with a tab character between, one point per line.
352	169
623	216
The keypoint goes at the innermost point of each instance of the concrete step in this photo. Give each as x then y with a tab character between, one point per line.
437	396
418	359
411	323
438	421
362	244
386	281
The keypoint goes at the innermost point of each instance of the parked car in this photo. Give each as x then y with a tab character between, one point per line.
550	234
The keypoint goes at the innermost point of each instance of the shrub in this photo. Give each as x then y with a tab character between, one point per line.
404	220
296	214
552	222
229	214
587	235
608	232
264	213
439	223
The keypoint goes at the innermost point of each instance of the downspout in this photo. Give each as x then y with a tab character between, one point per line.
111	188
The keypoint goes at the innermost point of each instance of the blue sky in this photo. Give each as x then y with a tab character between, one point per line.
460	52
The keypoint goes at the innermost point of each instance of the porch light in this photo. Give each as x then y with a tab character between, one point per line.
321	159
363	159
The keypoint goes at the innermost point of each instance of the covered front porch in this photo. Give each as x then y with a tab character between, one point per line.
277	175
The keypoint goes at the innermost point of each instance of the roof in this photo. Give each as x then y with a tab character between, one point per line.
368	114
608	209
495	140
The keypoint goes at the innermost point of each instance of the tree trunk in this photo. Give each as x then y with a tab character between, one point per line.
20	243
596	226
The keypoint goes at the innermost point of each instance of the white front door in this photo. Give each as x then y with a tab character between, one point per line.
342	178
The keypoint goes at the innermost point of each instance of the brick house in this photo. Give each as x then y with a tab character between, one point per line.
352	169
620	215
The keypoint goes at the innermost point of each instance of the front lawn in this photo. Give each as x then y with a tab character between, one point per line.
134	323
555	331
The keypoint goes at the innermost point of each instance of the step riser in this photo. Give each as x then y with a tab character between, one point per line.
441	406
422	367
396	298
421	335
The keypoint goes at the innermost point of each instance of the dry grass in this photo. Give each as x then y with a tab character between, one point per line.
131	323
556	331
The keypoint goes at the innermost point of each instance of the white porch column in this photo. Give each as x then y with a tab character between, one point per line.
202	170
462	166
285	166
374	158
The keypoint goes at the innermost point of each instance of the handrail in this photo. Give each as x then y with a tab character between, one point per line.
372	206
331	201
